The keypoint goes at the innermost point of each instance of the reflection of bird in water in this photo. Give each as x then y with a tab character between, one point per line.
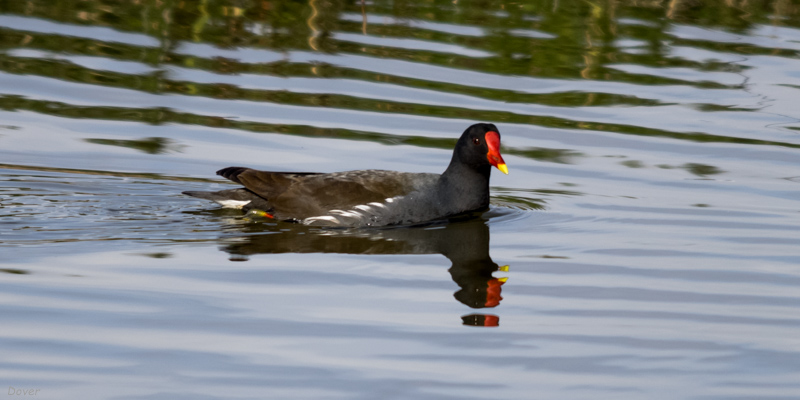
464	241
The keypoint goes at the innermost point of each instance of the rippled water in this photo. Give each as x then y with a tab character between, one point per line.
644	245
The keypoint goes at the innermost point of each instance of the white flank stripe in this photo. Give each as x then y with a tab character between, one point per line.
347	214
311	220
233	203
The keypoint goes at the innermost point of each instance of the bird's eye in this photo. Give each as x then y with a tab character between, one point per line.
476	141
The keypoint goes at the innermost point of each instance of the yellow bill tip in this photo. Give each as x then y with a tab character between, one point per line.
502	168
258	213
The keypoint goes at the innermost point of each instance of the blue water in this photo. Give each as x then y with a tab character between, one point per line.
643	246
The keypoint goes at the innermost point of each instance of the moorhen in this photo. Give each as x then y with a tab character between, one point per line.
371	197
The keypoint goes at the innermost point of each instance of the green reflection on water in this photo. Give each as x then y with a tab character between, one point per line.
702	169
153	145
567	40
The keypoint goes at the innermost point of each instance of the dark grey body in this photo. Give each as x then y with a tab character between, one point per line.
366	197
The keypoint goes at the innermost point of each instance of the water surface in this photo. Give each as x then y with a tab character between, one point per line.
644	245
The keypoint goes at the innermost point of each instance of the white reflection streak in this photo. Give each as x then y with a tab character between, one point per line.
87	32
416	24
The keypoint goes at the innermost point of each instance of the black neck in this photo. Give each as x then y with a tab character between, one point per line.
465	186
